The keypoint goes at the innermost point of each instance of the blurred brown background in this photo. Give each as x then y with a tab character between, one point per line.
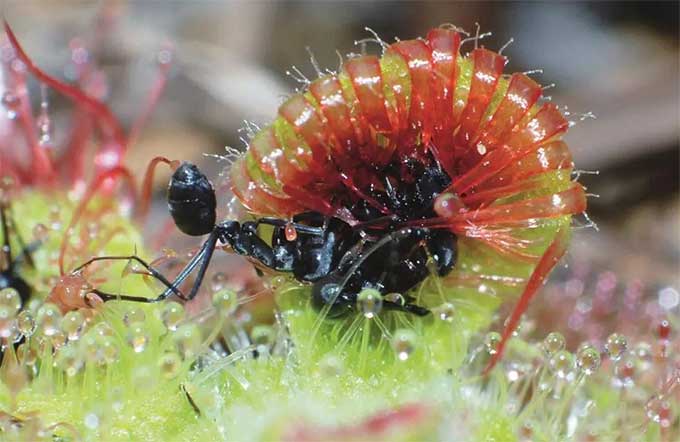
618	60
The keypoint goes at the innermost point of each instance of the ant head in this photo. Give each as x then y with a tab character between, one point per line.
191	200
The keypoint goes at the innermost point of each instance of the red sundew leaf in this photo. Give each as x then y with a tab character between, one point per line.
328	93
552	156
301	114
522	94
547	123
488	67
421	119
366	78
445	45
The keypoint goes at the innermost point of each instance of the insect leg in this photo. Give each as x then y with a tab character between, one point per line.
153	272
203	258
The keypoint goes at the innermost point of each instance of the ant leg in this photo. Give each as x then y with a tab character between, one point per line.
407	308
152	271
203	257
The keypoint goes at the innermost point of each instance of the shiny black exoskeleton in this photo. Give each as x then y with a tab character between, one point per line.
337	258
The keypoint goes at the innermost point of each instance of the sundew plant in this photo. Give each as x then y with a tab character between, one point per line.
403	214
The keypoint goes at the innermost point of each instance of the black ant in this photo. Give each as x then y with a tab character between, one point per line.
338	259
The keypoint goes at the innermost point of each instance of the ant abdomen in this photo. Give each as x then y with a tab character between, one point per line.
191	200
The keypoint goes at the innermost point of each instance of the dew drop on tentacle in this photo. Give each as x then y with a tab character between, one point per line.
10	298
172	314
263	337
561	364
553	343
41	232
133	316
404	343
49	319
218	281
11	103
72	324
225	302
491	342
446	312
138	337
26	323
369	302
188	339
169	364
588	360
616	346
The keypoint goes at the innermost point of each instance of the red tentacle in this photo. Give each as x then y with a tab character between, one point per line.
552	255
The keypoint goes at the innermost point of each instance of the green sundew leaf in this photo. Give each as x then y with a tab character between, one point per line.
395	75
283	130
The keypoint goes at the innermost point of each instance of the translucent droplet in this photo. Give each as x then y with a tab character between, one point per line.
664	330
69	360
616	346
144	377
89	346
103	329
658	409
45	130
58	339
645	356
588	360
395	298
40	232
9	297
491	342
134	316
225	302
25	323
110	350
8	325
404	343
446	312
137	337
369	302
553	343
331	365
624	373
11	104
448	205
27	354
172	314
169	365
49	319
277	282
290	232
562	363
218	281
188	339
91	421
72	324
263	337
